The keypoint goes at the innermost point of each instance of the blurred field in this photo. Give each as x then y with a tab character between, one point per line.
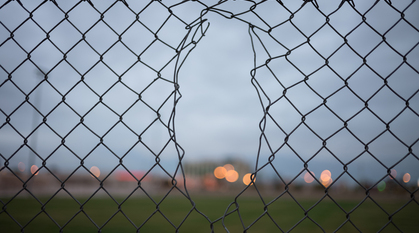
368	217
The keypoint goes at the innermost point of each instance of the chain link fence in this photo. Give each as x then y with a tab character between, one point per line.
86	83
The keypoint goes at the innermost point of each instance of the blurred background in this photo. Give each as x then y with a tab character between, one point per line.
87	93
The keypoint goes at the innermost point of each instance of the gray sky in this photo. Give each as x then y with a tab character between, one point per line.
219	113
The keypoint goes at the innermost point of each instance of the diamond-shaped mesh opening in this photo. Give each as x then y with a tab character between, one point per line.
80	221
47	20
326	210
288	221
316	121
114	141
386	97
326	41
101	37
381	25
100	153
9	63
24	81
44	98
169	32
17	12
324	82
158	222
82	16
306	103
48	55
89	99
344	61
81	141
308	27
406	223
375	60
147	12
291	77
283	173
394	149
399	43
119	98
100	215
100	119
137	38
89	92
403	82
54	206
283	111
82	57
364	213
22	208
351	102
303	136
306	59
365	83
345	20
21	123
6	90
120	58
364	39
166	54
344	144
45	137
63	83
28	35
10	140
124	17
71	34
63	156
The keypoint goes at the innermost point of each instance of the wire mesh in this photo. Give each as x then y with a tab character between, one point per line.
327	76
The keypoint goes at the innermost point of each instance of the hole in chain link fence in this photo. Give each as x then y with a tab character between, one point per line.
115	114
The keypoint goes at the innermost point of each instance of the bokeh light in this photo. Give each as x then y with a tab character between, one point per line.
228	167
309	178
220	172
95	171
21	166
34	169
326	178
232	176
326	175
381	186
393	173
248	178
406	177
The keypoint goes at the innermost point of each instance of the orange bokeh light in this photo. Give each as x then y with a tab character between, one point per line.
406	177
248	178
309	178
34	169
232	176
95	170
326	176
393	173
327	182
21	166
228	167
220	172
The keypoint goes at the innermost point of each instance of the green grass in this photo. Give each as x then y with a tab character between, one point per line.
68	214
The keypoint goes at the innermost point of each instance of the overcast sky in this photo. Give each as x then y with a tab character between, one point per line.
219	113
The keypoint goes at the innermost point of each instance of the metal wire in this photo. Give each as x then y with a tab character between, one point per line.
262	35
